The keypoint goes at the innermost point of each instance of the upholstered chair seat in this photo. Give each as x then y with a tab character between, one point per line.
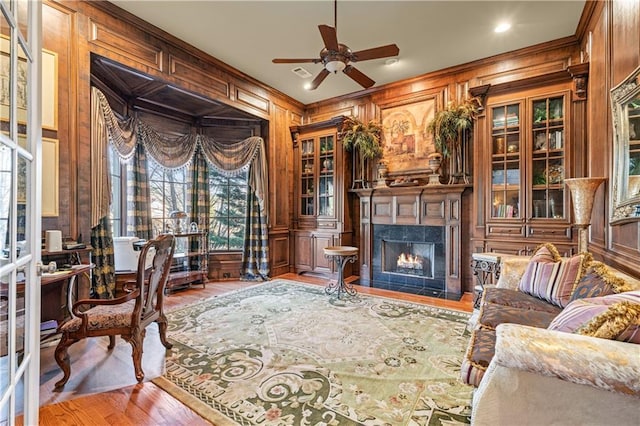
99	317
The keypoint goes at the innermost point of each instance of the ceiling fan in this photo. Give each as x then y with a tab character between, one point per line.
338	57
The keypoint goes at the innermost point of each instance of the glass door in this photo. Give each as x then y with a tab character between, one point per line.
548	158
326	176
20	207
307	177
506	161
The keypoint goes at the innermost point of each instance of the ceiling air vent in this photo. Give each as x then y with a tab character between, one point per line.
301	72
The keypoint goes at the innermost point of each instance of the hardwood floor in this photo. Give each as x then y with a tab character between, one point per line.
145	403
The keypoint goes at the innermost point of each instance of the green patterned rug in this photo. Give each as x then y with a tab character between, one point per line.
284	353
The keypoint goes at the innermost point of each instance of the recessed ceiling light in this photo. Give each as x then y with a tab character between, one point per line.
502	27
391	61
307	86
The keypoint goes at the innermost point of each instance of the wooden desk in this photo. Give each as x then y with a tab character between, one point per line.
61	286
70	257
58	292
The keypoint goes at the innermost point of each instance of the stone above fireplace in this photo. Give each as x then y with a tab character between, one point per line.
410	239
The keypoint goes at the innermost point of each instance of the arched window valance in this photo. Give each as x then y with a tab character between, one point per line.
174	152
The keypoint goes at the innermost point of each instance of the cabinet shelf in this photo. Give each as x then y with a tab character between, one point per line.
527	186
190	263
319	215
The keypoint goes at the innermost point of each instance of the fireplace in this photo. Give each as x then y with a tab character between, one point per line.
410	239
409	258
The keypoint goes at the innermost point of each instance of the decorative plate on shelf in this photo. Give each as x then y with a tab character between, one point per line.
555	174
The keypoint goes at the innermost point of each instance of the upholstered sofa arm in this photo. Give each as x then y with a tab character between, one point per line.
601	363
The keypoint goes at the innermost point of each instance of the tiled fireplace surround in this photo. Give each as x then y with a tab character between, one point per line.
419	220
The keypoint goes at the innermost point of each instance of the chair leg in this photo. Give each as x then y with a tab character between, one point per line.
112	342
136	340
62	358
162	327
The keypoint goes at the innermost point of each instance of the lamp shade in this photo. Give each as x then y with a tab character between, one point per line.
583	191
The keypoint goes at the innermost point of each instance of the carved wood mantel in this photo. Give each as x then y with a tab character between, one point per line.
437	205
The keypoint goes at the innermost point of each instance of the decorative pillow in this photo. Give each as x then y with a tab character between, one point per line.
613	322
546	252
581	311
598	281
550	277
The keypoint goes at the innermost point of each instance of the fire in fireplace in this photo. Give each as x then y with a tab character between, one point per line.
408	258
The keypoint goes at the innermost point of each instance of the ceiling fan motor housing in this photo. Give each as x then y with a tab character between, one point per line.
335	61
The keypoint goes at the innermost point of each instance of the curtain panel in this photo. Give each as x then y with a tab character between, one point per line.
139	197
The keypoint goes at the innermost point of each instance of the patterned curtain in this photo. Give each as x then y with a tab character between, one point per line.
255	255
104	128
104	273
199	197
138	197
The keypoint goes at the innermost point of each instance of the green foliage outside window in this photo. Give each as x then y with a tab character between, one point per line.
227	211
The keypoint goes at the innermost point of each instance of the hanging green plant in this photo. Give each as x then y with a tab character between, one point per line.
364	138
447	125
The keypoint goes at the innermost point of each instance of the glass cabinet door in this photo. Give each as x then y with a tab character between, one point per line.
506	161
307	176
326	176
548	157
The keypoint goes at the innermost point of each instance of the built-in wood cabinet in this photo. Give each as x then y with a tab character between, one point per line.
526	155
321	179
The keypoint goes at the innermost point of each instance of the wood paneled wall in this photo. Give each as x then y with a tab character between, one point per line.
76	29
608	37
611	43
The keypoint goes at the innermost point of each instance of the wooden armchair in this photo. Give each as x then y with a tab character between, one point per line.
128	315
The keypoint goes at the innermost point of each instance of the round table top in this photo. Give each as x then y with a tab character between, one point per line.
340	250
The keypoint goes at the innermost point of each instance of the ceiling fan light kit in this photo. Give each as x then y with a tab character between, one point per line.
335	66
338	57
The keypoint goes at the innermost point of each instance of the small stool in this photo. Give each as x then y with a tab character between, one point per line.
341	255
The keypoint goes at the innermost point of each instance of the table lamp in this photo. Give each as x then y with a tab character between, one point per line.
583	190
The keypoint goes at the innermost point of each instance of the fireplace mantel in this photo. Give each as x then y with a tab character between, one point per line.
427	205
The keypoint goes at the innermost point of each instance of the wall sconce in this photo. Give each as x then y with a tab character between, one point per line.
583	191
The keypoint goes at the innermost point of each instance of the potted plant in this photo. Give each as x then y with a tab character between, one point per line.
364	140
447	126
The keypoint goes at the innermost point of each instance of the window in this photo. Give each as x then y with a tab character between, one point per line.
228	210
116	171
168	190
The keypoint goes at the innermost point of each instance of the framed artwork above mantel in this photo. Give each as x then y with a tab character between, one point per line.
406	141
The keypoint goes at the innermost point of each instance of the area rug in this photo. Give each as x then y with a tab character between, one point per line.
285	353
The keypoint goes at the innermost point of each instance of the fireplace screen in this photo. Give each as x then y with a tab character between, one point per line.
408	258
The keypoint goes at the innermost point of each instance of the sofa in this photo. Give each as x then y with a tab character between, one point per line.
556	354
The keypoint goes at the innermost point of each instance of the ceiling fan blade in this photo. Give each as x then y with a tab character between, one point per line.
294	61
375	53
329	37
319	78
358	77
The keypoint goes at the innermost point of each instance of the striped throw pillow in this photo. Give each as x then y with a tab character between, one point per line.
582	313
552	281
